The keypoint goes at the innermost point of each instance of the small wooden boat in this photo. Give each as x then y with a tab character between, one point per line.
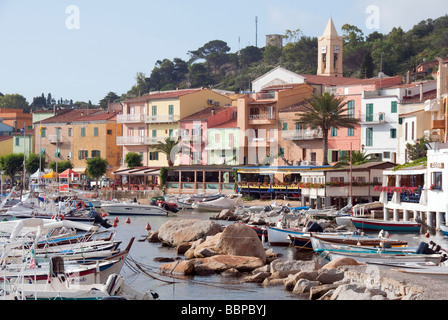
362	240
281	236
395	226
384	257
444	229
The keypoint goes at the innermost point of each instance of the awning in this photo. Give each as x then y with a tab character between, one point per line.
80	170
51	175
140	171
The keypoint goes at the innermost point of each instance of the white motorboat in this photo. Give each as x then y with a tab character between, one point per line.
133	208
230	202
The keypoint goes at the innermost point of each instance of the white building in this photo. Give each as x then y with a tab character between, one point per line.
380	119
419	192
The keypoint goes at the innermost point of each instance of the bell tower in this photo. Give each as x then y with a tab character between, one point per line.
330	52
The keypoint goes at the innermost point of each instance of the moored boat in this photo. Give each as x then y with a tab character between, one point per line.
394	226
384	257
133	208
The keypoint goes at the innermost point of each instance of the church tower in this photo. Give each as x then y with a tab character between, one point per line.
330	52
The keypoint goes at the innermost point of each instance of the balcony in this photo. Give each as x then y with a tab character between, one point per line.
131	141
262	118
263	96
130	118
138	141
194	139
297	135
260	142
162	119
54	139
376	118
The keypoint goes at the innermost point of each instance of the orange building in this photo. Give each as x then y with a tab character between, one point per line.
16	118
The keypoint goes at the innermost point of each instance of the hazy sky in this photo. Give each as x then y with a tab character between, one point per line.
81	49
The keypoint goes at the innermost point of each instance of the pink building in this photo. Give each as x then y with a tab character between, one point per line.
193	131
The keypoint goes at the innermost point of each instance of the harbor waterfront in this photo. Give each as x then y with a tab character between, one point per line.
142	272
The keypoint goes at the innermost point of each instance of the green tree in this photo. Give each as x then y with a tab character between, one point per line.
62	165
367	66
357	158
14	101
133	160
96	168
326	112
33	162
11	164
168	147
417	150
272	55
110	97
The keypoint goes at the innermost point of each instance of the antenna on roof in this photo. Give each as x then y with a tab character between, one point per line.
256	31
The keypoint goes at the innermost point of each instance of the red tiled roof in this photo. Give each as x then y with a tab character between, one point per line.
203	114
426	96
229	124
69	115
163	95
335	81
4	138
297	107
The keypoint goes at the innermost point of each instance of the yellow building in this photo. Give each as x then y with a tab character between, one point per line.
154	117
6	145
95	136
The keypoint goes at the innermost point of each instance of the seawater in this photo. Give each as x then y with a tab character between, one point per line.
213	287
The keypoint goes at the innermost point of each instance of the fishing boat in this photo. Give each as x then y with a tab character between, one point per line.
428	270
230	202
321	246
360	240
78	273
394	226
133	208
384	257
57	287
444	229
282	236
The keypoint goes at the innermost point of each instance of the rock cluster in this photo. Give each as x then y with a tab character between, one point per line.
237	251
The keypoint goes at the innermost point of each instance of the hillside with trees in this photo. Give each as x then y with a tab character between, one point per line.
213	65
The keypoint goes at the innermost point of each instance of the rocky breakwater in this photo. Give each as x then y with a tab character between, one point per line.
212	250
237	252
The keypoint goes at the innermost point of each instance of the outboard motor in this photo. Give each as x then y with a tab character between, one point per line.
98	219
423	248
314	227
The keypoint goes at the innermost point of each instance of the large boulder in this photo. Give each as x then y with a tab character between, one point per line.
177	231
240	240
221	263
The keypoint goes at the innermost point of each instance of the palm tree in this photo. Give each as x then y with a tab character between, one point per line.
357	158
167	147
326	112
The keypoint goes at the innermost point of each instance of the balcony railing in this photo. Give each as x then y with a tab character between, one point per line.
262	116
138	141
54	139
162	119
374	118
263	96
130	118
293	135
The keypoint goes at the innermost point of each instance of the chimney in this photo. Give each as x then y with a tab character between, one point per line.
213	112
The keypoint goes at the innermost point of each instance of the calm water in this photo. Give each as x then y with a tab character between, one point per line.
209	287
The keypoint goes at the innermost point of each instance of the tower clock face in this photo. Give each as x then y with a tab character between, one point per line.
323	49
336	49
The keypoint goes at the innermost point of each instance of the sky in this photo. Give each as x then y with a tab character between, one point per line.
82	50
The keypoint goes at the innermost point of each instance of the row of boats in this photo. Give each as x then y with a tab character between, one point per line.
61	259
428	259
60	248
